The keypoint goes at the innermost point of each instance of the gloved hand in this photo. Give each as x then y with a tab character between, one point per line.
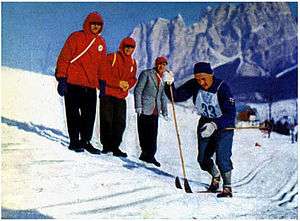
124	85
168	77
139	110
62	86
208	129
102	85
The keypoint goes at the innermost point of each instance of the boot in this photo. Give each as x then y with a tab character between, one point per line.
76	146
89	147
227	192
119	153
106	150
155	162
214	185
147	160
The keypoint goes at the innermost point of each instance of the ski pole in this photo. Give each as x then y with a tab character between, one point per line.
177	182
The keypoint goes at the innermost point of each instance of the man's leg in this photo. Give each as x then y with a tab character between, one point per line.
73	117
88	102
118	125
206	150
88	113
106	117
223	157
144	131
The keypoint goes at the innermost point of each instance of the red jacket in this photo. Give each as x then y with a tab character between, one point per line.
91	66
122	69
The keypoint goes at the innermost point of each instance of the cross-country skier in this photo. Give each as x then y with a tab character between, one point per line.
216	107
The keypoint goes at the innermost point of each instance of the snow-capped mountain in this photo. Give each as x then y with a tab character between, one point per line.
260	39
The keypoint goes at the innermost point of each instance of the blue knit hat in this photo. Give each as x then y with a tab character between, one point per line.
202	67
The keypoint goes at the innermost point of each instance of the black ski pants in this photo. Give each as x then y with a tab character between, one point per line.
112	122
147	129
80	104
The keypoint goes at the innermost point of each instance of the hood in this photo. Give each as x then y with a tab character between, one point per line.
126	41
92	17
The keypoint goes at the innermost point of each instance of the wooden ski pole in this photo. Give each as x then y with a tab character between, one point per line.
177	182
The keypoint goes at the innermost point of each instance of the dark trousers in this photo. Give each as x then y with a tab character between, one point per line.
112	122
80	104
221	144
147	129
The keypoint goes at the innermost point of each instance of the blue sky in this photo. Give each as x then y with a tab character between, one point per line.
33	33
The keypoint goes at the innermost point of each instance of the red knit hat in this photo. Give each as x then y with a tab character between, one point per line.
160	60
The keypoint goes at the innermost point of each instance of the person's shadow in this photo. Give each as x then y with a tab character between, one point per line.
46	132
22	214
131	165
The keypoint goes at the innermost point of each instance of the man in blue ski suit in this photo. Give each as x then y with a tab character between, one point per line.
216	106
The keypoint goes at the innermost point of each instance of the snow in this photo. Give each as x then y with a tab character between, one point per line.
41	178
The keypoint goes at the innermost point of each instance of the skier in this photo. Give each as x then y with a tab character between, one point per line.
120	79
215	105
150	99
80	65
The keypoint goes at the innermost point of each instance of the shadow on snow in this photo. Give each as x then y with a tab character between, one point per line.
22	214
40	130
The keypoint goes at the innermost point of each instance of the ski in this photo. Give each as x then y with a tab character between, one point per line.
207	191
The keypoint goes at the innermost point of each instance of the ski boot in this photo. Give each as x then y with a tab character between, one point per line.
214	185
227	192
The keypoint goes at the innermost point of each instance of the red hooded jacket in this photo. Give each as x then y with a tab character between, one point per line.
91	66
122	68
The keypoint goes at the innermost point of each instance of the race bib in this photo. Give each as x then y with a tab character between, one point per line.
207	104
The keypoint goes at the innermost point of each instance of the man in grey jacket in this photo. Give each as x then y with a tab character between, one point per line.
150	100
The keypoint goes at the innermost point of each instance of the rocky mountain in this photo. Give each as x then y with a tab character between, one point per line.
251	40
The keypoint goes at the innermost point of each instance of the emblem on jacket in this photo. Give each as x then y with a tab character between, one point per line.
100	48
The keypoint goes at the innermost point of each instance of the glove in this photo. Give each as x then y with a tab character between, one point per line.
208	129
62	86
168	77
124	85
139	110
102	85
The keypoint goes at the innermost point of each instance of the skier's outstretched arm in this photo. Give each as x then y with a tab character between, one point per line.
182	93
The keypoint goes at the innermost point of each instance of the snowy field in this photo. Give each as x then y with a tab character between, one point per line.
41	178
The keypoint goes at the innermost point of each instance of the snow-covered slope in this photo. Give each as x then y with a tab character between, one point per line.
41	178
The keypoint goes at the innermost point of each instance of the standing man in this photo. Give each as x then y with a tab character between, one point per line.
216	106
120	79
80	66
150	99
